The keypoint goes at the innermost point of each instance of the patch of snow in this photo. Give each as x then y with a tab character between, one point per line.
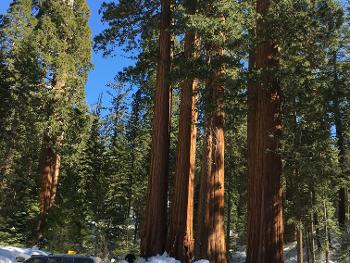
8	254
159	259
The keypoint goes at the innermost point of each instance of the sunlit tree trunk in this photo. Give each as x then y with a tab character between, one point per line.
211	229
50	159
180	242
153	238
265	222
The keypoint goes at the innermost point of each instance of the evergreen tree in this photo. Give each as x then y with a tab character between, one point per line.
64	37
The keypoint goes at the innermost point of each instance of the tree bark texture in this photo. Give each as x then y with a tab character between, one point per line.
50	163
180	242
265	222
154	234
211	229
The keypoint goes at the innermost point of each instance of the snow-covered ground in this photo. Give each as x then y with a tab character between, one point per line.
239	256
290	255
164	259
9	254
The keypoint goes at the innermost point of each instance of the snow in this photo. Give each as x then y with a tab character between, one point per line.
290	255
164	259
8	254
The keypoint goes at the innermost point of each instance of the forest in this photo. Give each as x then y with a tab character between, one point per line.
229	132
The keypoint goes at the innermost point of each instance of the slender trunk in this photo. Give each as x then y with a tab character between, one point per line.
312	239
340	144
229	208
265	222
55	178
300	246
326	243
307	244
180	242
211	228
153	239
341	157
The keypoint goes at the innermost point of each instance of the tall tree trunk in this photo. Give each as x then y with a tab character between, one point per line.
229	207
325	239
342	191
211	226
49	169
265	222
180	242
300	246
312	231
340	144
50	160
204	195
153	239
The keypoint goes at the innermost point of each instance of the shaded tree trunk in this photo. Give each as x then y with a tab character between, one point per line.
340	144
204	196
341	157
312	238
265	222
153	238
211	228
229	207
325	239
300	246
180	242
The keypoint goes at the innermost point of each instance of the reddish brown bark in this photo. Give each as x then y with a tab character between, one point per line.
265	224
180	242
49	168
204	196
153	238
211	229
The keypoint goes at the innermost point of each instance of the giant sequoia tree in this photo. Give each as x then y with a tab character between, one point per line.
180	240
64	37
265	224
155	226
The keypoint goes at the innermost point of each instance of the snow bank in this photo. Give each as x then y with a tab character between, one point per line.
9	254
164	259
159	259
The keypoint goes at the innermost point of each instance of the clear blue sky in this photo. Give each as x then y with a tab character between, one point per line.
104	68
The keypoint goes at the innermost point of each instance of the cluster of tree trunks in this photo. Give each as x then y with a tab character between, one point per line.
265	223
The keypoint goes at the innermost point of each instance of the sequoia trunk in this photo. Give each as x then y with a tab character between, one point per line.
153	239
211	229
49	168
265	224
180	238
